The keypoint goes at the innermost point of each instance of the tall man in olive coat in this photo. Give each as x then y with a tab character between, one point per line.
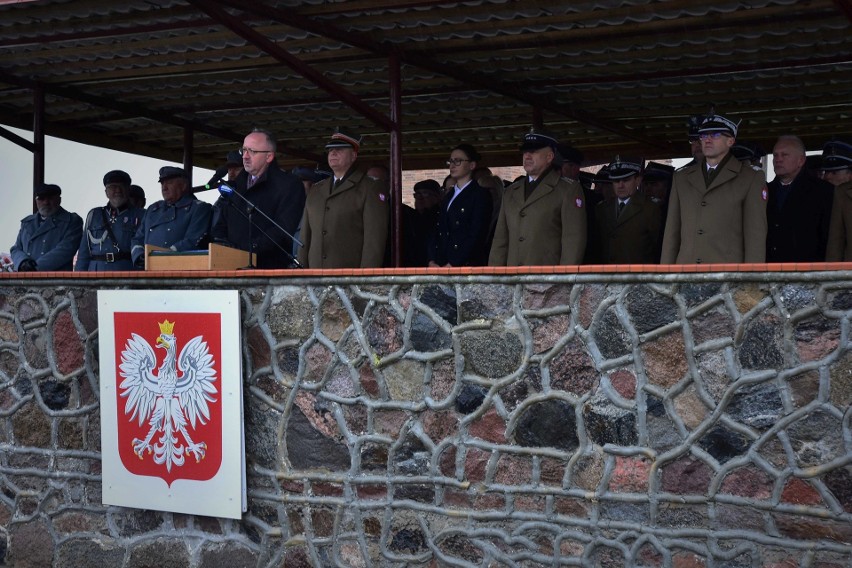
839	247
48	238
542	219
345	224
717	208
629	224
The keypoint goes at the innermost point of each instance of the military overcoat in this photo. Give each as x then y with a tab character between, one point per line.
51	242
180	226
549	228
722	223
631	237
98	251
346	228
839	247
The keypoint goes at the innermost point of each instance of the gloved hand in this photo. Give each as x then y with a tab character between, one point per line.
28	265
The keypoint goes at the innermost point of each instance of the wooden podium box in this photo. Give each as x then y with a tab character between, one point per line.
216	257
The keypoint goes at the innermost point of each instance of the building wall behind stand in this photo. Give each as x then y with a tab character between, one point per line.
651	420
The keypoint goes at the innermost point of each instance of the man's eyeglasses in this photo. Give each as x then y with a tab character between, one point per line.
456	161
252	152
712	135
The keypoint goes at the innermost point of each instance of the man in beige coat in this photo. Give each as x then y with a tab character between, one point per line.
717	209
345	223
542	219
839	247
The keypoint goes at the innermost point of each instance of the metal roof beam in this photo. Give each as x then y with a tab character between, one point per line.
270	47
464	76
137	110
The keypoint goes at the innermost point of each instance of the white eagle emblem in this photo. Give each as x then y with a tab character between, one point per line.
164	399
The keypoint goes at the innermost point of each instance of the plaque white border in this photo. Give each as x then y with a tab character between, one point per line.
224	495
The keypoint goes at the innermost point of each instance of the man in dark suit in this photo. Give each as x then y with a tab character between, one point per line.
629	224
799	209
270	189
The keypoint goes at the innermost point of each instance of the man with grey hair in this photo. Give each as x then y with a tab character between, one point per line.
269	189
799	209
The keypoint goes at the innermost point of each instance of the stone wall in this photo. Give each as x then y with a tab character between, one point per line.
420	421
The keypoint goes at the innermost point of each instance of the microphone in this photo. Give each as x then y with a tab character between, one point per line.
226	191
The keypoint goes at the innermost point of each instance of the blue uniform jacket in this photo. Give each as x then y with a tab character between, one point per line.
183	225
51	243
96	242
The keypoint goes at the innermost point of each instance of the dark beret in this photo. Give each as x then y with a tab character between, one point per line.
116	176
427	185
46	189
136	191
233	158
169	172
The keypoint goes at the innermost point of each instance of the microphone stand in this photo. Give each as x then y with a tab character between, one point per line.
226	191
249	211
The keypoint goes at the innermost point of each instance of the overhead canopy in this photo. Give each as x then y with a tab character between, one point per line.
607	76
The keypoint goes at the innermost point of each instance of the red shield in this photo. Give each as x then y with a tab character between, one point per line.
207	430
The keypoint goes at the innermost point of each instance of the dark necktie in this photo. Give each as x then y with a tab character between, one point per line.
251	181
621	206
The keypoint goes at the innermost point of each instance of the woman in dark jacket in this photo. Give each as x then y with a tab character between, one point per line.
464	221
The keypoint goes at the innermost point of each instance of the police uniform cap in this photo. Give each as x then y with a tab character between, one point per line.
233	158
137	192
747	151
47	189
658	171
341	139
624	167
116	176
426	186
306	173
570	154
693	123
718	123
169	172
836	156
536	139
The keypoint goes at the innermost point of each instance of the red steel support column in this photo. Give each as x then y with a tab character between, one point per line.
395	80
38	139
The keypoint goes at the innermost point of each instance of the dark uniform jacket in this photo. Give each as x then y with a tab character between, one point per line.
347	228
278	194
463	227
549	228
51	242
631	237
98	251
797	231
183	225
722	223
839	247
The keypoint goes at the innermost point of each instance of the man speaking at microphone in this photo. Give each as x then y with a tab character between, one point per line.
269	189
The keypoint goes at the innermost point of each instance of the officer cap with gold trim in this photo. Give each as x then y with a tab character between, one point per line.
341	139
